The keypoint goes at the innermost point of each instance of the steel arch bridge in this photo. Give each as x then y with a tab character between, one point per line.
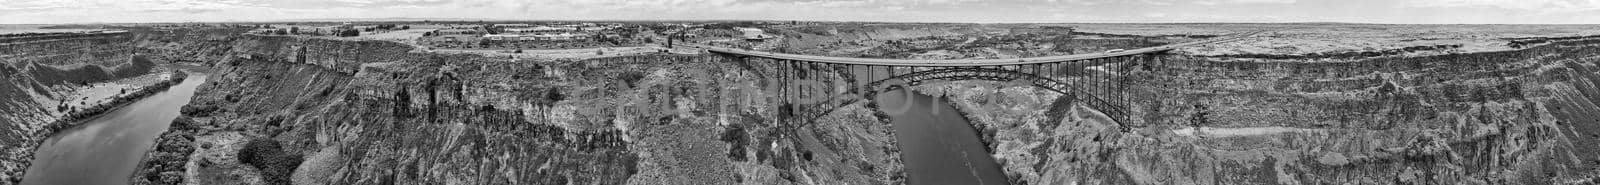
1111	89
1096	79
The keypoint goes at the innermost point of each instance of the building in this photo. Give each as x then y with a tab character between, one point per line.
517	30
753	34
511	26
264	31
1042	29
458	32
563	36
596	28
537	37
456	38
538	29
501	36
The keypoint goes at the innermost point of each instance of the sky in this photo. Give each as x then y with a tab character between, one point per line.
978	11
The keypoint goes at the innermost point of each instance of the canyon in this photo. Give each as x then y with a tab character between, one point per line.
312	110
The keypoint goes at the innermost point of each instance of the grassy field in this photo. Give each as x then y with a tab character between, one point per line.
1304	38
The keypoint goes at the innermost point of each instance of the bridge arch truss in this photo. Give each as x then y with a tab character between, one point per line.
1098	80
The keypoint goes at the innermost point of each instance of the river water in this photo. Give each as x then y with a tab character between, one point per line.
937	144
107	149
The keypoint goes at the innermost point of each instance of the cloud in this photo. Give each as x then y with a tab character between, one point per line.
19	5
182	6
1224	2
1402	11
1099	2
1174	2
1544	6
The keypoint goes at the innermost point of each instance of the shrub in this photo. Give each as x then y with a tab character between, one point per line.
267	155
737	138
631	78
349	33
198	110
554	95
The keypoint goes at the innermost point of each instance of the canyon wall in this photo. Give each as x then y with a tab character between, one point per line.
1508	117
299	110
38	75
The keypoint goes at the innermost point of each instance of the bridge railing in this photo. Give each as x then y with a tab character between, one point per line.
961	62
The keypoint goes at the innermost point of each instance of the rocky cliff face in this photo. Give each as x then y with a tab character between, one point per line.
1517	117
302	110
75	49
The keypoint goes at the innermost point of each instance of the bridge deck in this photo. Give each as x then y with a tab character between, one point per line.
957	62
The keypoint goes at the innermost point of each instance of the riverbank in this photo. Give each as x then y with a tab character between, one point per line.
1020	125
942	145
107	148
76	118
41	80
166	160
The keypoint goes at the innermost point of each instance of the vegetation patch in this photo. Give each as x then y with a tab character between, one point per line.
268	156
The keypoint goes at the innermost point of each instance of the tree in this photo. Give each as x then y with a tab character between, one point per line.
349	33
406	27
552	96
294	30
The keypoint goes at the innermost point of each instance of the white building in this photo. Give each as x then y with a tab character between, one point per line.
501	36
562	36
457	31
539	36
512	25
752	33
541	29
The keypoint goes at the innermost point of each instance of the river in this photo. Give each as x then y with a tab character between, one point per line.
937	144
107	149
